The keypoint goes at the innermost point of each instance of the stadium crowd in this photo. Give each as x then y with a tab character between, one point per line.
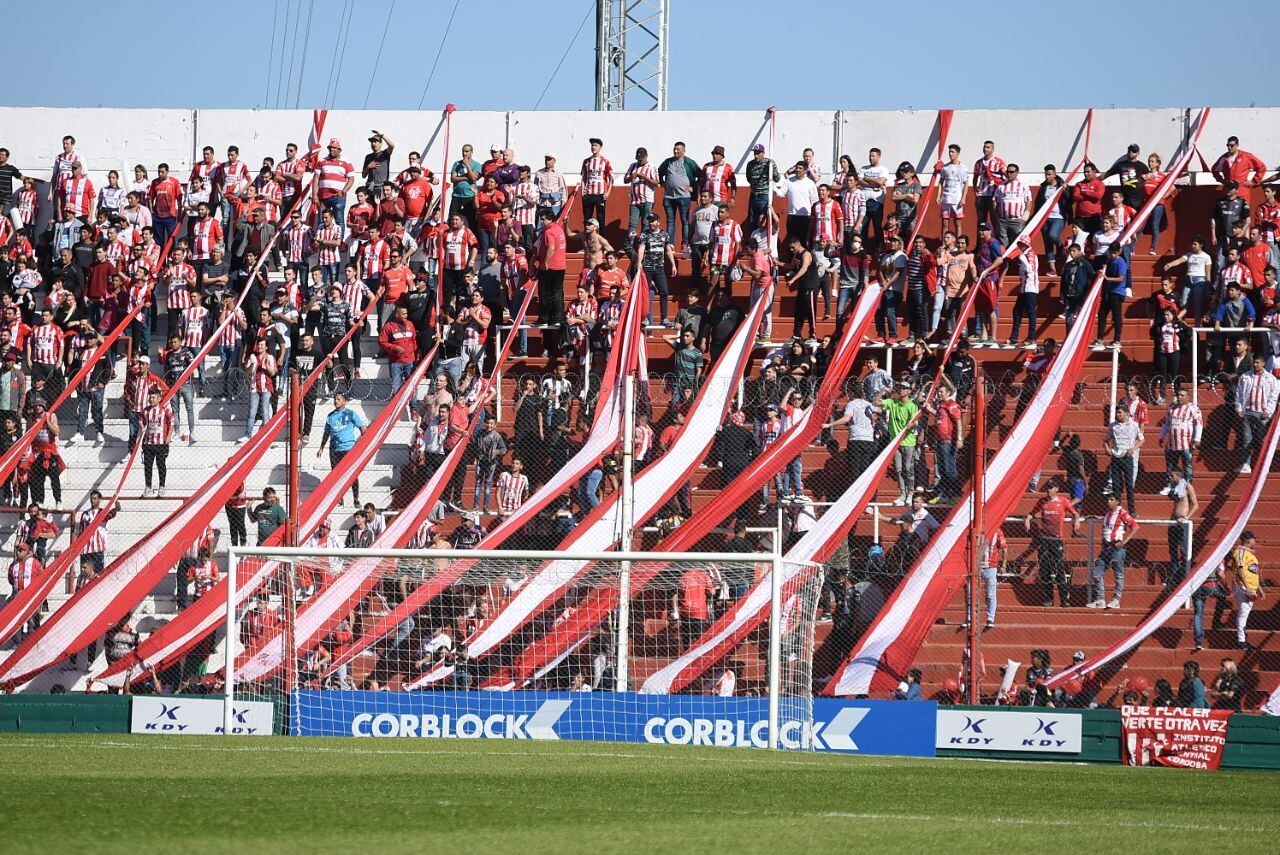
318	240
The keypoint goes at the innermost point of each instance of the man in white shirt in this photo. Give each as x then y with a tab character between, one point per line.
872	180
859	414
1123	439
802	194
1256	394
954	180
700	223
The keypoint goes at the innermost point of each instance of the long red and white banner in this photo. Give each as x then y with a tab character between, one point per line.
601	601
887	649
814	547
602	528
327	608
1174	736
1209	564
601	439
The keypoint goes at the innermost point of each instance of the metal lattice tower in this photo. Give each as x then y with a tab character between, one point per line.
631	54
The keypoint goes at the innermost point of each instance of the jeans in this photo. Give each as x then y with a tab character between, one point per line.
1122	473
1155	224
513	308
873	222
677	213
337	204
330	273
792	480
259	402
657	287
1253	427
904	461
887	314
485	473
1179	461
917	315
845	297
1024	307
989	588
1221	602
185	395
948	475
1053	227
1178	554
400	373
87	402
1192	297
1112	557
756	206
638	217
589	488
162	227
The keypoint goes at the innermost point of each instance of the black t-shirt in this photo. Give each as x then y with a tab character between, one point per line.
378	163
724	321
1131	173
419	304
9	175
527	416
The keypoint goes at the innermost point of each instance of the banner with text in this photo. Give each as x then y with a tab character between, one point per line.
847	726
174	714
988	730
1174	736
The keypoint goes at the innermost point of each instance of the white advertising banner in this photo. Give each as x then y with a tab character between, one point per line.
1006	730
169	714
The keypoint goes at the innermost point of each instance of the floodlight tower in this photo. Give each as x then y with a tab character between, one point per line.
631	54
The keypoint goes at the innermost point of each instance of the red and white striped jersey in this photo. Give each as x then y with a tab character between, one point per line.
1116	524
1267	218
587	308
231	333
424	536
828	220
297	243
270	194
333	176
193	321
643	441
1012	199
768	433
151	256
204	235
23	571
990	174
524	203
473	333
329	254
375	255
97	541
1029	273
78	195
206	538
512	491
157	425
1169	338
1137	409
139	295
716	178
180	279
993	549
230	176
204	575
294	166
1256	393
1234	274
1182	427
597	175
609	318
262	372
853	206
18	332
642	193
455	244
28	204
118	254
513	274
205	171
136	389
725	237
354	291
1121	214
46	344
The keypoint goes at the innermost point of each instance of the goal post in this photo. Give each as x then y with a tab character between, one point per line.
608	646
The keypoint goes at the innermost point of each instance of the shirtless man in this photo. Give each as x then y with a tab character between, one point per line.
1183	495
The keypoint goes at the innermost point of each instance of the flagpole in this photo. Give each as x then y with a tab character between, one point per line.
976	539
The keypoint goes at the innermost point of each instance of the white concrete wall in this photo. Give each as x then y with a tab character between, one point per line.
120	138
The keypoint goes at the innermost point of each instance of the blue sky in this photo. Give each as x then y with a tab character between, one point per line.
1089	52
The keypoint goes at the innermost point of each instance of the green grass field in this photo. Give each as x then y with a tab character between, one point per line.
192	794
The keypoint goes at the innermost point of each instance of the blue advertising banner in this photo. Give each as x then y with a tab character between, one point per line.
849	726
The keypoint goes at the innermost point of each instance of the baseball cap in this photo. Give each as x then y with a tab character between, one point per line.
718	150
414	168
334	142
1247	535
758	147
652	218
495	147
1078	656
642	152
145	360
12	353
1133	147
593	222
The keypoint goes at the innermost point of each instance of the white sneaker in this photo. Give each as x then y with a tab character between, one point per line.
900	502
72	440
1245	469
242	440
146	492
1096	604
1114	604
160	493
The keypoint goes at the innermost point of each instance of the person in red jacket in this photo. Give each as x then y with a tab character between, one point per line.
1239	166
1088	196
399	341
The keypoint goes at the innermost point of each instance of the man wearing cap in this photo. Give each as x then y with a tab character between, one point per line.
1131	170
657	258
377	163
719	179
24	570
76	193
679	175
464	174
643	178
1242	567
597	181
899	410
762	177
333	179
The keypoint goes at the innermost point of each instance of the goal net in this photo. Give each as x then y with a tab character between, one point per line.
687	648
